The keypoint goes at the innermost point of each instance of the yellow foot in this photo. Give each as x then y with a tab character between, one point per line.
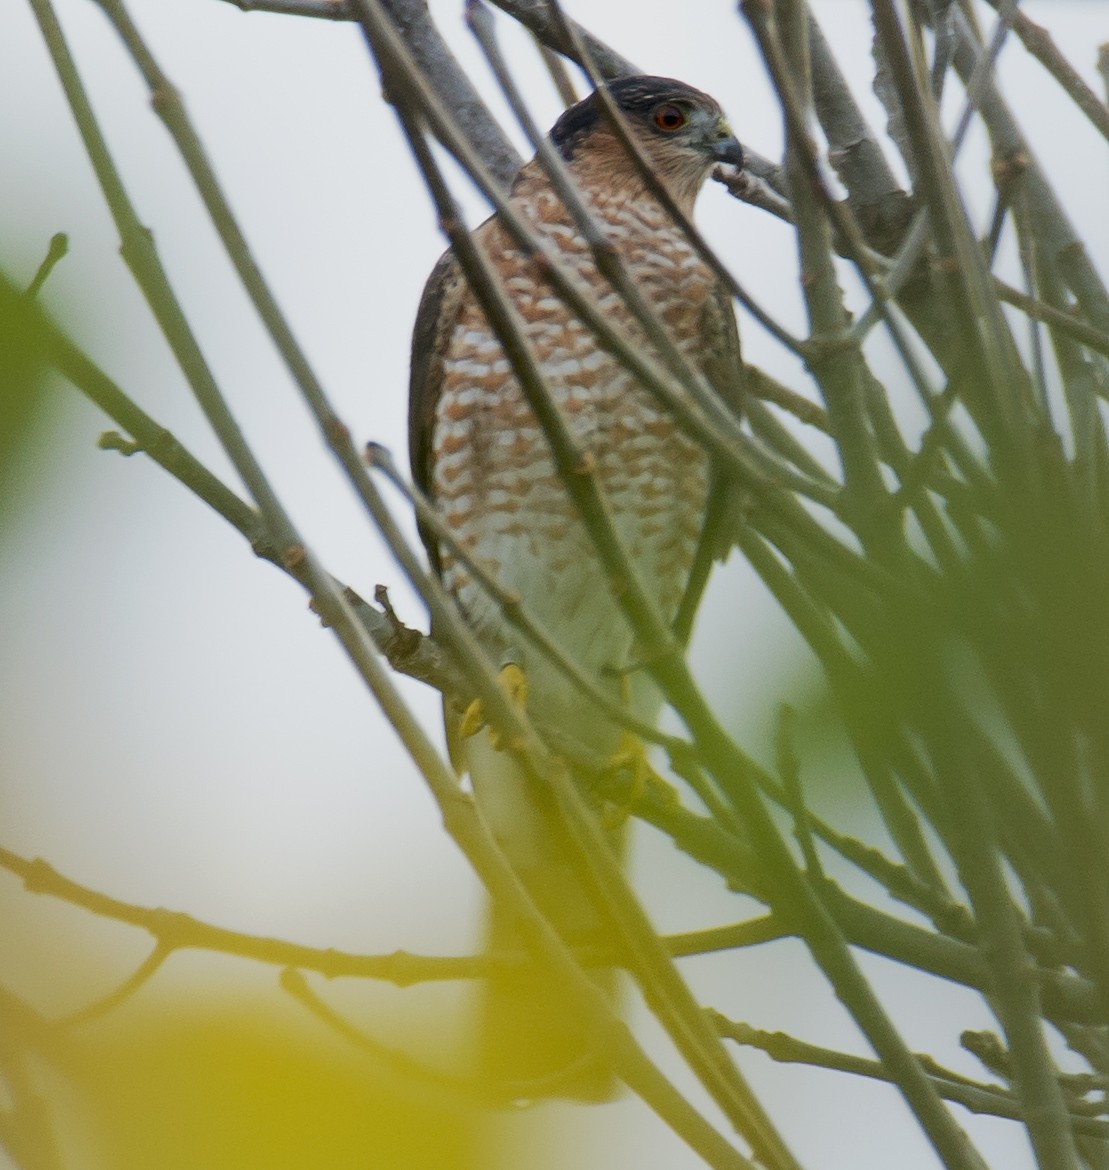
473	719
629	757
514	683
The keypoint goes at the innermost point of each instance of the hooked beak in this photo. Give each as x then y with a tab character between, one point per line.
725	146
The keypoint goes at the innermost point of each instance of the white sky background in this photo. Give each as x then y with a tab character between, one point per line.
176	729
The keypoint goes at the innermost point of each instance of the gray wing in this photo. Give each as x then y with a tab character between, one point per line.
722	364
435	320
440	305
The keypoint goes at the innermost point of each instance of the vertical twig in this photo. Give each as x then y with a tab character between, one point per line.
836	366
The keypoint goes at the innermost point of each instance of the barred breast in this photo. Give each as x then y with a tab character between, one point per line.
495	479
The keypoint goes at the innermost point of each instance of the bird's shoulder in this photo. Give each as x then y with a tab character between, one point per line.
721	361
722	354
440	304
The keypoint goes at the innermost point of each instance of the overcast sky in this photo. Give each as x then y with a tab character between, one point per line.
176	728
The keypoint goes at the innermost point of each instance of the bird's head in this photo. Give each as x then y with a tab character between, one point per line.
682	132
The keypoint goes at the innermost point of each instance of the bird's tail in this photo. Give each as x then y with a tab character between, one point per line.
531	1043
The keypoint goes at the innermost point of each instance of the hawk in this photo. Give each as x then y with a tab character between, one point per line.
480	454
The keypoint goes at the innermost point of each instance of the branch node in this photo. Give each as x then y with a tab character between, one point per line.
947	265
1006	168
114	441
404	642
292	980
294	557
376	454
57	248
821	347
337	431
40	876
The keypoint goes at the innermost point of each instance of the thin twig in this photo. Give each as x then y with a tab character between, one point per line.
1052	222
548	26
151	438
409	651
26	1126
1039	42
1066	322
445	1090
976	1097
59	246
837	368
315	9
1068	999
142	975
173	931
560	76
427	45
789	768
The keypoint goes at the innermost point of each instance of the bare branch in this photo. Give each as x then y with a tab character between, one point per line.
978	1098
1039	42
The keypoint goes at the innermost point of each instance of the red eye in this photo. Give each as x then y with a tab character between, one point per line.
670	117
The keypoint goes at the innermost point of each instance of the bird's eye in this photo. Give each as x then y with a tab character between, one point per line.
670	117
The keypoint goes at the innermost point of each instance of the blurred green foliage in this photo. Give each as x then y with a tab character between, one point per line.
24	390
194	1085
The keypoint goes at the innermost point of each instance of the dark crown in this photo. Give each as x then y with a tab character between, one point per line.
634	95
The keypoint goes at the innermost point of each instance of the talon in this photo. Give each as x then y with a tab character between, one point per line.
630	756
473	719
515	685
